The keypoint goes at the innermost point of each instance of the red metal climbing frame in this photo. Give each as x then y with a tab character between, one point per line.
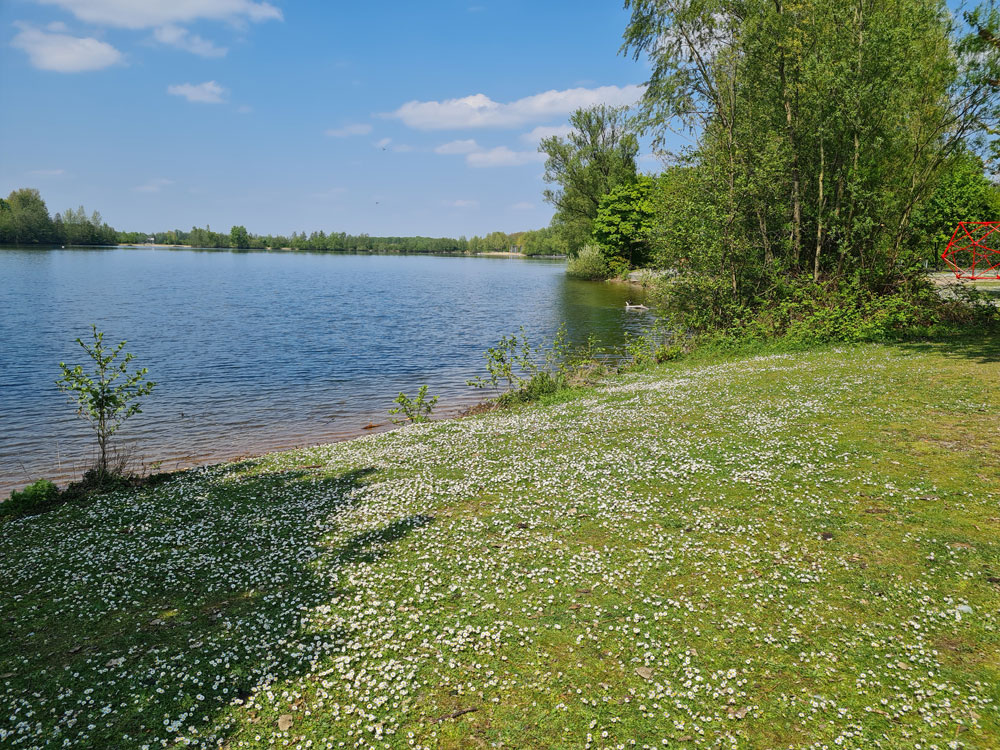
969	256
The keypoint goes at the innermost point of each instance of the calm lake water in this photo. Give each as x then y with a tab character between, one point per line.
262	351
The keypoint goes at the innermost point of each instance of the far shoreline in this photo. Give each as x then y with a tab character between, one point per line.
288	250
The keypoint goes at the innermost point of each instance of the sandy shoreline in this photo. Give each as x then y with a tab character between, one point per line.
64	471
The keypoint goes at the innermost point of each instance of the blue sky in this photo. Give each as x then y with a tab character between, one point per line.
387	118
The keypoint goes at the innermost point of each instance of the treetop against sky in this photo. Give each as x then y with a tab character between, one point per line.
389	118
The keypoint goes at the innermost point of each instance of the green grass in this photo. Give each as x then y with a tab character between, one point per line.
796	550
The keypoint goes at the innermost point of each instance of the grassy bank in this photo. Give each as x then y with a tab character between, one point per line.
798	550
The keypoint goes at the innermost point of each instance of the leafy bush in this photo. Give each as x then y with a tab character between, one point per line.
697	303
35	498
414	409
107	395
589	264
667	353
799	311
624	223
519	372
812	313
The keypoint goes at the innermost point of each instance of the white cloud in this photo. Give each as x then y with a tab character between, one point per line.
47	172
63	53
349	130
181	38
383	143
546	131
479	111
154	185
144	14
479	156
208	92
501	156
522	206
462	204
57	26
458	147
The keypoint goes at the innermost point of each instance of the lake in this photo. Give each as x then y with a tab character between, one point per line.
255	352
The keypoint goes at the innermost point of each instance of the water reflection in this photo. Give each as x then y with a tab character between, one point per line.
260	351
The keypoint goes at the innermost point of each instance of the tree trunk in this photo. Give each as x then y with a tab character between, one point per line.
819	213
762	221
790	129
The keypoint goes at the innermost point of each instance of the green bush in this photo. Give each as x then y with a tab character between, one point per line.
35	498
589	264
414	410
519	372
697	303
624	223
801	312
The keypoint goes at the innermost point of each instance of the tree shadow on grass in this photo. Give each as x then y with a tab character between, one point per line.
170	603
979	346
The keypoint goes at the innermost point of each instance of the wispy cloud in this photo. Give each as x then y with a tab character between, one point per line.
522	206
501	156
208	92
145	14
458	147
479	111
546	131
47	172
63	53
462	203
154	185
181	38
359	128
479	156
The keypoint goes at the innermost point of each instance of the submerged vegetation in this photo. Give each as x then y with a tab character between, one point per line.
796	550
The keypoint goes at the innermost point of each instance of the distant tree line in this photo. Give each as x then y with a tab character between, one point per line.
25	220
533	242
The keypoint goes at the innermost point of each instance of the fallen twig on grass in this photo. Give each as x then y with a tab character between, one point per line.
456	714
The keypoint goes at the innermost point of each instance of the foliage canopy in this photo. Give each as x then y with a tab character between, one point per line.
597	156
822	127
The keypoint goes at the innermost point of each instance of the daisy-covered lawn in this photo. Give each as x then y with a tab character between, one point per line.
786	551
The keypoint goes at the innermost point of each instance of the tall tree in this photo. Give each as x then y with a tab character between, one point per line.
821	124
624	224
239	238
598	155
25	218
